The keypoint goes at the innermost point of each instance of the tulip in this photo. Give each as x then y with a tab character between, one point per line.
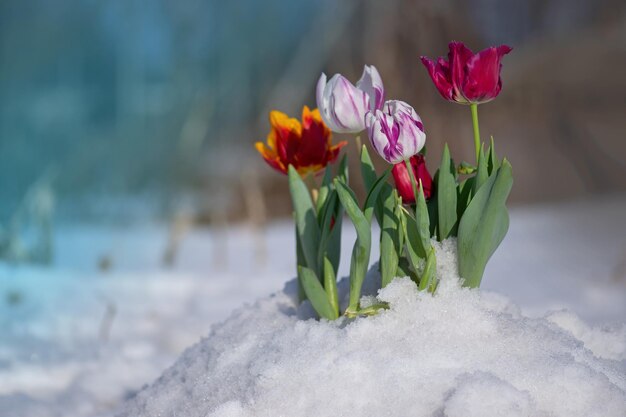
403	180
396	132
307	145
468	78
343	106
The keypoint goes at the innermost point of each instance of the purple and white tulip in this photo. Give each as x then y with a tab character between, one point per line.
343	106
396	132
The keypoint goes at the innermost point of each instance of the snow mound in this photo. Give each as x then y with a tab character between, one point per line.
460	353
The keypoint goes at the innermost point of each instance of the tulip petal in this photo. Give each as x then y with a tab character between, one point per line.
343	105
402	178
323	93
483	76
349	105
313	142
458	55
439	74
396	132
307	145
467	77
372	84
319	92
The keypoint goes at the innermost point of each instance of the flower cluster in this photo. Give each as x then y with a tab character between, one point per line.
466	203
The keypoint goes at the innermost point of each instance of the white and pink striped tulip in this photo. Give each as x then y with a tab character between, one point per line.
396	132
343	106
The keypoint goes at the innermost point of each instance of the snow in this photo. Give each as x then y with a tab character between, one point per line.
460	353
77	339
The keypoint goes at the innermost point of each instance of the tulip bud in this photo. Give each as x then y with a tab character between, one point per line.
396	132
343	106
402	178
465	77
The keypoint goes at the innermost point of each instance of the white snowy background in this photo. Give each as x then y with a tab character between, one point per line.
107	318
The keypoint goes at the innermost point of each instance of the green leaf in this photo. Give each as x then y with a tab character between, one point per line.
446	196
371	310
316	294
465	195
342	172
414	251
369	179
328	213
300	261
362	221
306	223
333	247
482	171
389	240
433	215
361	250
330	285
430	271
493	161
372	195
367	169
484	225
422	220
406	270
398	209
324	190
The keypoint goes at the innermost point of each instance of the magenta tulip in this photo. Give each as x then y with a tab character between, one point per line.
465	77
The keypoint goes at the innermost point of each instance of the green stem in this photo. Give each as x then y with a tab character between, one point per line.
313	187
414	185
474	109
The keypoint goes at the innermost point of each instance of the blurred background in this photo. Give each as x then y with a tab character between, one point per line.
134	108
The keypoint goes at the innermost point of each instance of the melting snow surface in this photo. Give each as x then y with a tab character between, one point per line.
77	339
461	353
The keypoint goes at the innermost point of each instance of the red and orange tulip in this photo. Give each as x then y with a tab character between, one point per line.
307	145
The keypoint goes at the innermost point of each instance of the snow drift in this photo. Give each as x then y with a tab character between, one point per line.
461	353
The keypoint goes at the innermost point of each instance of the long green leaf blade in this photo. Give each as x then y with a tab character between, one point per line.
316	294
324	190
430	271
389	240
361	250
446	196
414	250
482	172
367	169
494	162
306	222
372	195
484	225
422	219
330	285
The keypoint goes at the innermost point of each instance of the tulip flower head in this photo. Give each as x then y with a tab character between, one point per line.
307	145
396	132
402	178
343	106
465	77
